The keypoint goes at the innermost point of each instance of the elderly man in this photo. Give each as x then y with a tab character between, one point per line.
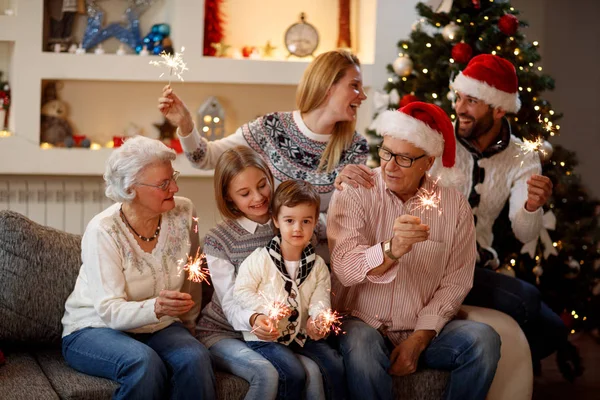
496	171
402	268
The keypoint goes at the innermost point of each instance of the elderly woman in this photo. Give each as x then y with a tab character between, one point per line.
130	315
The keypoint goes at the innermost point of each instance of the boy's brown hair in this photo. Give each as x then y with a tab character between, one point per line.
294	192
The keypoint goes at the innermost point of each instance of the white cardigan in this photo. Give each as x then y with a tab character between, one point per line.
259	283
118	282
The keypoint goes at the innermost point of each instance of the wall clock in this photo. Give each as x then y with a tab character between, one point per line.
301	39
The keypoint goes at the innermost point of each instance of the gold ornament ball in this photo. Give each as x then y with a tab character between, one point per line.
403	66
506	270
450	32
546	151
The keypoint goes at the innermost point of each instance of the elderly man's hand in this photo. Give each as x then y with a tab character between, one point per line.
539	189
408	230
355	175
405	356
172	303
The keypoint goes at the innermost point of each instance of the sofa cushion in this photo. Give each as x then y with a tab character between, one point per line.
38	269
22	378
426	384
71	384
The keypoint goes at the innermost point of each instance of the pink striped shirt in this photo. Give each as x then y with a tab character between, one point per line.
426	286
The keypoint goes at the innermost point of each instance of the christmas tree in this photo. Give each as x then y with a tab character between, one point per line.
564	263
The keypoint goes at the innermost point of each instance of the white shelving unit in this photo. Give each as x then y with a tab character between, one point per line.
30	66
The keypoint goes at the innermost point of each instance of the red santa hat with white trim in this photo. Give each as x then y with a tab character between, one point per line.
428	127
492	79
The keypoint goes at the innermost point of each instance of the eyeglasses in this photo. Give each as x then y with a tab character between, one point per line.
402	161
164	186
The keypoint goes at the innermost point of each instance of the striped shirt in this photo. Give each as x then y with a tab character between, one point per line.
425	287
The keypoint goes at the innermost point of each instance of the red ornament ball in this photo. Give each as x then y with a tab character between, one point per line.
407	98
508	24
462	53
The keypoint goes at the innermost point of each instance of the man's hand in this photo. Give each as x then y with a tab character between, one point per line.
172	303
408	230
405	357
312	329
355	175
539	189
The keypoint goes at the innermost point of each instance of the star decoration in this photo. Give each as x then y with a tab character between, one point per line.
127	32
221	48
268	49
166	129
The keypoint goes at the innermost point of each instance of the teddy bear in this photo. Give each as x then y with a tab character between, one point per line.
54	128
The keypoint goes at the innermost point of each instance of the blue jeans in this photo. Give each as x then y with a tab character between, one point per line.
169	363
544	329
292	373
469	350
235	357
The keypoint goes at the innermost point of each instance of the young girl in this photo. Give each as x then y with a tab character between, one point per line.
243	190
288	273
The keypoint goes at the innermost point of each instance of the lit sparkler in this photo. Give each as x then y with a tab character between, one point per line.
531	146
173	62
275	310
328	321
197	272
427	200
195	226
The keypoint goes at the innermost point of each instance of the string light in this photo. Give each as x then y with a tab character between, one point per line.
520	88
521	68
486	17
434	95
459	20
539	68
404	46
498	48
494	52
452	116
404	79
452	61
517	51
472	23
557	127
536	108
531	64
562	163
438	24
400	54
551	112
480	38
390	80
529	89
535	43
428	45
425	70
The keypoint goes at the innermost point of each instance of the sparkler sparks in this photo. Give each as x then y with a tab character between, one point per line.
173	62
197	272
328	321
531	146
276	310
427	200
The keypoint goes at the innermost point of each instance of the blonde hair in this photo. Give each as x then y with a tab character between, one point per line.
325	71
230	164
294	192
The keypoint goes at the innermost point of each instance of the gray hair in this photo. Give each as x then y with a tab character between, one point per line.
126	162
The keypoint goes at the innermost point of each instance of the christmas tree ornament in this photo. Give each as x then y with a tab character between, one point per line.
451	32
127	32
268	49
546	151
538	271
407	98
508	24
417	25
462	52
574	268
383	101
403	66
220	49
506	270
166	131
548	223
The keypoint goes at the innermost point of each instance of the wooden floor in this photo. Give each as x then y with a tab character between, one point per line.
551	385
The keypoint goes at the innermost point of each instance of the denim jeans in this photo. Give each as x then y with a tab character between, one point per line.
544	329
169	363
469	350
292	373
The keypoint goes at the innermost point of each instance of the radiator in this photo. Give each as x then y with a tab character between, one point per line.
65	203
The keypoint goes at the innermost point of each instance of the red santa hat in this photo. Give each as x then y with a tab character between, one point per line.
428	127
492	79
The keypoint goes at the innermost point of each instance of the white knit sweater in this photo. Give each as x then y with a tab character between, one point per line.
118	282
259	283
506	175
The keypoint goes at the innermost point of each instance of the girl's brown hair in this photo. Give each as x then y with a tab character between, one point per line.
230	164
325	71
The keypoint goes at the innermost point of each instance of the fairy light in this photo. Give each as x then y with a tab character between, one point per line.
551	112
390	80
438	24
554	244
520	88
404	46
562	163
529	89
535	43
452	116
513	262
434	95
536	108
480	39
494	52
521	68
486	18
173	62
428	45
216	119
400	54
452	61
557	127
459	20
425	70
517	52
5	133
531	64
539	68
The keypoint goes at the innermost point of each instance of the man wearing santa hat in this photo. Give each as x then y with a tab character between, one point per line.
402	278
497	171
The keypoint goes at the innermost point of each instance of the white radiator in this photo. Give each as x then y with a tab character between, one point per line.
66	203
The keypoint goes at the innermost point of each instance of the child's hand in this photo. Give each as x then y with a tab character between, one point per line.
313	329
264	330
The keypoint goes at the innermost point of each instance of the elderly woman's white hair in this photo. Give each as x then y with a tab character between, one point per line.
125	164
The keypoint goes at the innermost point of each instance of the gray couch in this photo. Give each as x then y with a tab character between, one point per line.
38	268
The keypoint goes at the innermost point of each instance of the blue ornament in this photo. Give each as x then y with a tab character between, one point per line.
163	29
157	49
128	33
157	37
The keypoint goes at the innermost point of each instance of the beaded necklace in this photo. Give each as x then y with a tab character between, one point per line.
145	239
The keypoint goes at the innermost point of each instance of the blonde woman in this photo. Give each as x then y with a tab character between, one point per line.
313	143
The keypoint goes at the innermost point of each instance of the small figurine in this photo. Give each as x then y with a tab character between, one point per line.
99	49
121	50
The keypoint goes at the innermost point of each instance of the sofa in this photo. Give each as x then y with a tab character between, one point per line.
38	269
